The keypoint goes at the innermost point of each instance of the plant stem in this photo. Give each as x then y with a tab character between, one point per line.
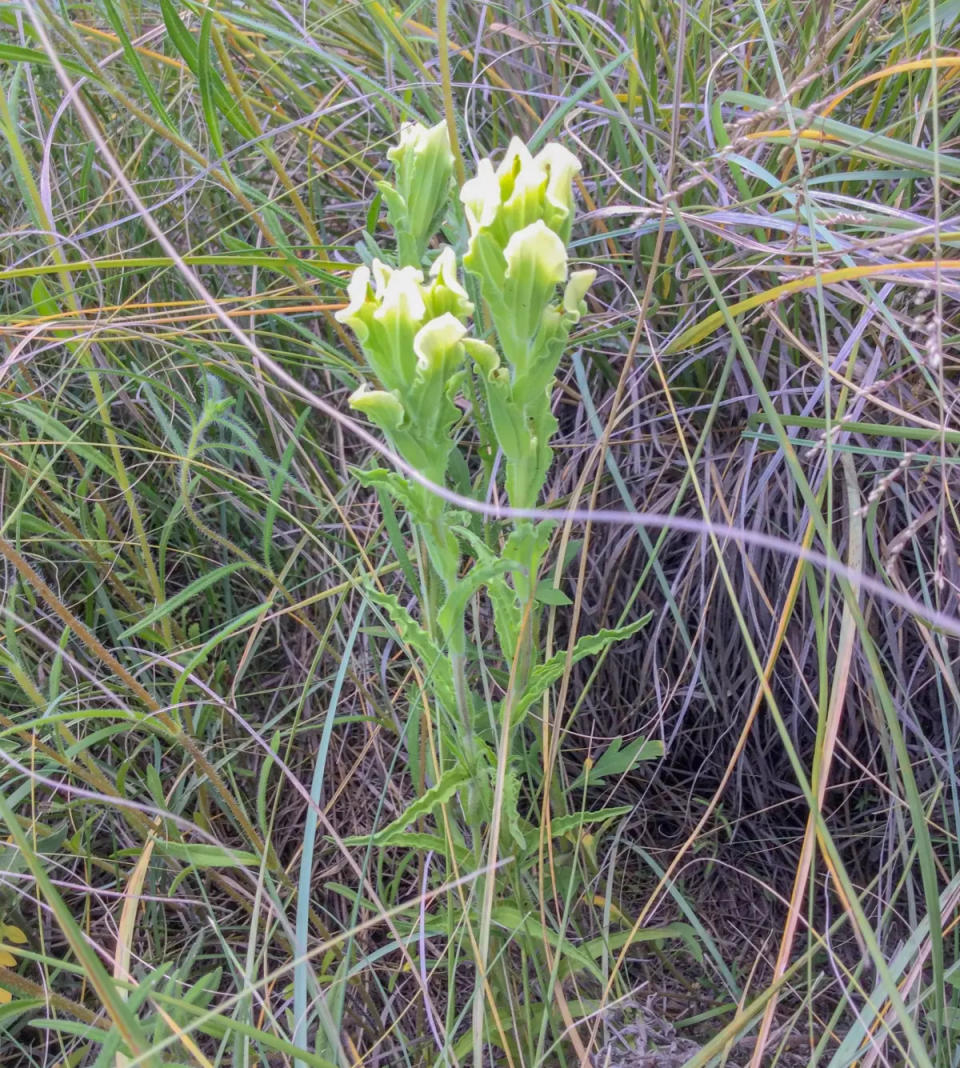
449	113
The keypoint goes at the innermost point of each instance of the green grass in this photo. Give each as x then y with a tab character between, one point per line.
199	699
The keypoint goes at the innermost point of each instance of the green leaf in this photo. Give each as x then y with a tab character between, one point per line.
62	437
179	36
155	787
545	675
511	810
549	594
395	536
400	488
219	636
125	1022
437	796
596	947
186	594
43	302
132	57
201	855
419	842
485	260
437	668
18	54
480	575
617	759
277	484
574	545
511	919
506	416
182	40
206	80
526	547
953	1020
565	824
507	613
12	1009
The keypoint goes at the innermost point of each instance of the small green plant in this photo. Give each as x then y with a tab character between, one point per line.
427	341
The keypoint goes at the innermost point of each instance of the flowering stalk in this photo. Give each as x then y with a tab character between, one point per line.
415	324
411	333
417	335
520	216
423	164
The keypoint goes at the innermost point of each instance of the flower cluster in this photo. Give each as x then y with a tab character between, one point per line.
411	332
414	332
520	216
423	164
521	191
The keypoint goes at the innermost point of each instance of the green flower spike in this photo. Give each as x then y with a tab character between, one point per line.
436	343
520	213
484	356
481	197
523	181
520	216
390	315
398	292
522	189
439	359
424	167
411	333
358	292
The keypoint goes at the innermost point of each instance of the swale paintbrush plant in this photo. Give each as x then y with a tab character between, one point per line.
426	340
